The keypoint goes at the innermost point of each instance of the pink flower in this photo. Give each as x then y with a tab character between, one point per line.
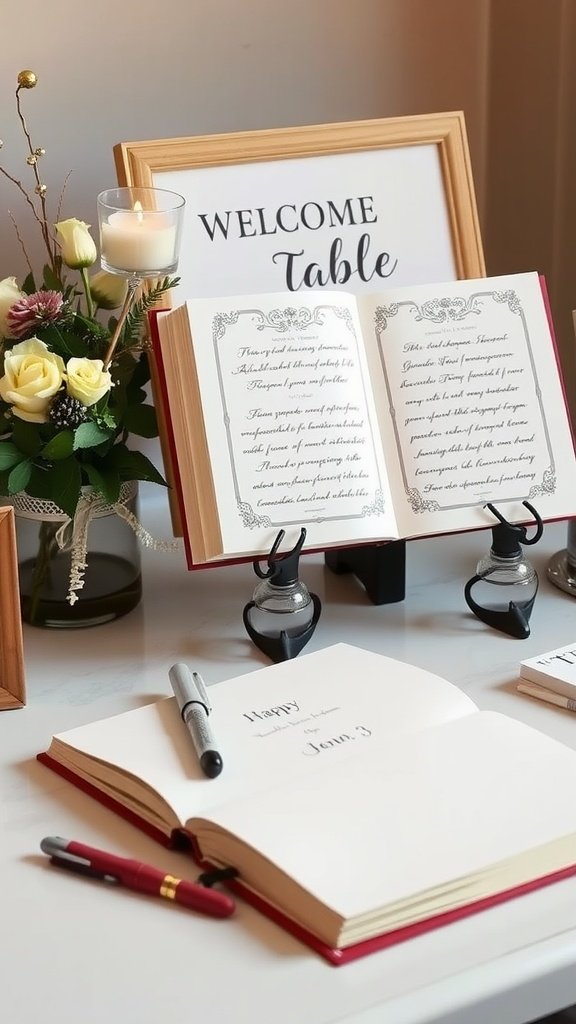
34	311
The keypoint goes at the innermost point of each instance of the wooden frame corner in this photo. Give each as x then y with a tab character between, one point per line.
12	685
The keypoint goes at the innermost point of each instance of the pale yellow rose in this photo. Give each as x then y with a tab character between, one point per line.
87	380
32	376
108	290
9	294
76	243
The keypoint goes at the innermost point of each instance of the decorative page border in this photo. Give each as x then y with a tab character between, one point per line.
280	321
450	309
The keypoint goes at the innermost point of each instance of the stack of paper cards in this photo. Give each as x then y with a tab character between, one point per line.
551	676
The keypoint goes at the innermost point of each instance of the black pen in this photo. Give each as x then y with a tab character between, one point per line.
192	699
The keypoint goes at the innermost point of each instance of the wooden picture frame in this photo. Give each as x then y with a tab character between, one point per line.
167	162
404	184
12	686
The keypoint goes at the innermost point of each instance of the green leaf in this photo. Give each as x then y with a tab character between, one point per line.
60	447
51	281
105	419
150	298
26	437
124	368
19	477
141	374
118	456
107	481
4	475
9	455
61	484
136	466
135	395
39	485
62	341
89	434
29	286
141	420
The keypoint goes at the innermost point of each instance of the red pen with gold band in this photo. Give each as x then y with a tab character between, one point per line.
133	874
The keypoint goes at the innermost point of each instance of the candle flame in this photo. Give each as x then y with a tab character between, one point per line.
138	210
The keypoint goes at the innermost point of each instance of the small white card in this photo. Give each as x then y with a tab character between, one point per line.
556	670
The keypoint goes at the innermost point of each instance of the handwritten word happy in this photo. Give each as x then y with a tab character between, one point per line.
276	712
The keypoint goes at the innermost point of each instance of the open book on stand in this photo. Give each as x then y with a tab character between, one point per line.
356	815
364	418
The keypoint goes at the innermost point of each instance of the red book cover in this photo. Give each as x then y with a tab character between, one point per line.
182	841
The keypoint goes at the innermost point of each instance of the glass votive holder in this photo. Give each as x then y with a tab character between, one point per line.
140	230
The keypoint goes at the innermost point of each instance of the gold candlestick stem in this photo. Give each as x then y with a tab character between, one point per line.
133	285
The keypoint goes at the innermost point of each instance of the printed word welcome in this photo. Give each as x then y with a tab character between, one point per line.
289	218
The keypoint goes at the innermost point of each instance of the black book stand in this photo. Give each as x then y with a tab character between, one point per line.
381	568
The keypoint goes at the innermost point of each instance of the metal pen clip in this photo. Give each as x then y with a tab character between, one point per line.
81	866
202	691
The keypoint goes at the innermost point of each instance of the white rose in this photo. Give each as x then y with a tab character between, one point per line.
32	376
87	380
9	294
76	243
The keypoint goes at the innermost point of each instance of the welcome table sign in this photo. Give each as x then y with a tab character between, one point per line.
360	205
353	205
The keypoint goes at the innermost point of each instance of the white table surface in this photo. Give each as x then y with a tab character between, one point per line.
73	950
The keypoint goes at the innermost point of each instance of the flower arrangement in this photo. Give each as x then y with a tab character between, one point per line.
69	401
72	391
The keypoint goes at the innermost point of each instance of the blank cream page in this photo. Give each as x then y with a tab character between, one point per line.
419	812
275	723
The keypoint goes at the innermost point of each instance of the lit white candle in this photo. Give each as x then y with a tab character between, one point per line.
139	240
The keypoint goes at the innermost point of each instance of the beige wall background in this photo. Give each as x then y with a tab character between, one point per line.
120	72
529	218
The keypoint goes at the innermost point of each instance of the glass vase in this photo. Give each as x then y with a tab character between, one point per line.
61	587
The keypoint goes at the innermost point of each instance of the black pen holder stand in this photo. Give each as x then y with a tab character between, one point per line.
381	568
282	604
503	589
285	645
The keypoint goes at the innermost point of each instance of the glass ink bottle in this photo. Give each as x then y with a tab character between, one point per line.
282	615
506	583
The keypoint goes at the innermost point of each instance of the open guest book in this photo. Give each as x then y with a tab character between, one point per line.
362	801
365	418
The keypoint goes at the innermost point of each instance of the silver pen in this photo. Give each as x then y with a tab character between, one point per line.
192	699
